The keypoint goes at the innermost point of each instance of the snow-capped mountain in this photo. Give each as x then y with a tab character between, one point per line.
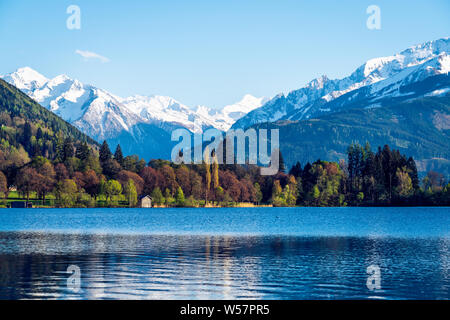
95	111
26	79
142	125
103	115
166	110
224	118
370	85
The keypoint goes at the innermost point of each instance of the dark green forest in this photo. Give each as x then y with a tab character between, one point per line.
418	128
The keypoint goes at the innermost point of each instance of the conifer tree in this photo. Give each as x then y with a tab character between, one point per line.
296	170
118	155
282	164
105	152
82	152
411	165
68	149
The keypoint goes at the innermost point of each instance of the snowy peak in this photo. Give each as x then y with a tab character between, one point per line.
384	67
413	64
241	108
96	112
417	54
198	118
26	79
318	83
139	104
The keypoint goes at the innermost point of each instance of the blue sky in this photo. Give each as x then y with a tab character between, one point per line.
210	52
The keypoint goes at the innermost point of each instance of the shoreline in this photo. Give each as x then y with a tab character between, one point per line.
248	206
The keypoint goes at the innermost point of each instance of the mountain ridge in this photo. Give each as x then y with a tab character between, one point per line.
420	128
73	101
143	124
430	58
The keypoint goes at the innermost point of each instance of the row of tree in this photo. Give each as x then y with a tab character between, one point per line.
80	175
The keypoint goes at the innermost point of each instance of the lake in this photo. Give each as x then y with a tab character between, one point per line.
227	253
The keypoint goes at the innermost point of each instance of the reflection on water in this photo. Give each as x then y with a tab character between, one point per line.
34	265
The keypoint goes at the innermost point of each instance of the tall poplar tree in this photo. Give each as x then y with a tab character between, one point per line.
207	173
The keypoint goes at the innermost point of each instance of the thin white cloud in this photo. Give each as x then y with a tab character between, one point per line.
88	55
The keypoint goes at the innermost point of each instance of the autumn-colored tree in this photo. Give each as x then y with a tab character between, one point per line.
404	187
124	176
47	177
27	181
61	172
231	184
182	177
196	185
79	178
169	177
152	179
92	183
248	193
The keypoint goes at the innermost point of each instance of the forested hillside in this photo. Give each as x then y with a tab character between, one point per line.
29	130
50	163
420	128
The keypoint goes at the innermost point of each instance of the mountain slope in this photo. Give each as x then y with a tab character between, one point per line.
142	125
94	111
378	79
104	115
27	126
420	128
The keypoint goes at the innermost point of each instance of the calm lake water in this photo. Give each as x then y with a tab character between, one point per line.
229	253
